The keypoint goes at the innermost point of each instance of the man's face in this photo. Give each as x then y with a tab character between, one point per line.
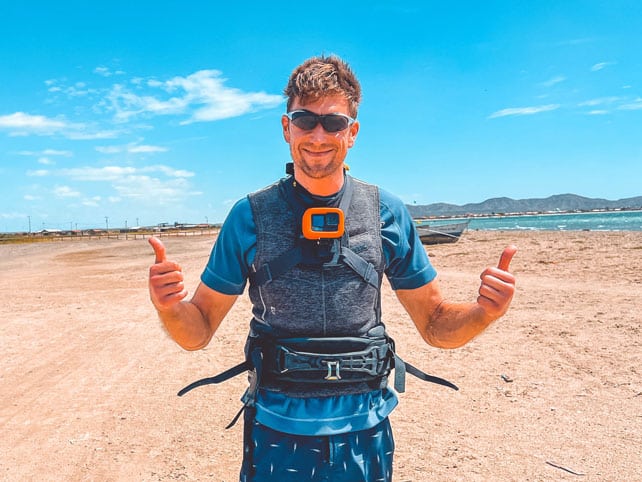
318	154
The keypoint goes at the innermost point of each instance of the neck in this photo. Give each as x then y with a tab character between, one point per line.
326	186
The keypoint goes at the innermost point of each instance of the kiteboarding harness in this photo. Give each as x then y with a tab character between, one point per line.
333	348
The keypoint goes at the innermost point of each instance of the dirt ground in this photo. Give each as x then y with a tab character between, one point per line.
553	391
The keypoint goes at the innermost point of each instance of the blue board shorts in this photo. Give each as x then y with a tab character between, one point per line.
272	456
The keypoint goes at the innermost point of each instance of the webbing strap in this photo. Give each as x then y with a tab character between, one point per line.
278	266
400	374
401	367
360	266
429	378
221	377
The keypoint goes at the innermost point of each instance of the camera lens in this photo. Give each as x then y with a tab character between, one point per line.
332	219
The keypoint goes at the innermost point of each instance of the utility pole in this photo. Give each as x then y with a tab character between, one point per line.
107	222
29	218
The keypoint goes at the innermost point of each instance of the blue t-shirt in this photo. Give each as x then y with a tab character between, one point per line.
406	266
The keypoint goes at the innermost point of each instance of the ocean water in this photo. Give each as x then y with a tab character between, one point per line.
593	221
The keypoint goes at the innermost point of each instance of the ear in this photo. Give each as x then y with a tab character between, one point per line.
285	123
354	129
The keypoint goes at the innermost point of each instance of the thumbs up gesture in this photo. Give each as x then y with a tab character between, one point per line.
166	282
497	286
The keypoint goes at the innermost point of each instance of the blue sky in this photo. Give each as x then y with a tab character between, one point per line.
135	113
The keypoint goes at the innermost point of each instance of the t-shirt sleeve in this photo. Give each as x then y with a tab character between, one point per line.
228	266
407	264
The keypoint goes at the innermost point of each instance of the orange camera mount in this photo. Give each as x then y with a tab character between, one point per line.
323	223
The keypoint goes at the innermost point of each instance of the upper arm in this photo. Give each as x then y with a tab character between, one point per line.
421	304
407	263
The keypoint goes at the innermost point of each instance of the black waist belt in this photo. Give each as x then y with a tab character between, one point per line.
318	361
322	361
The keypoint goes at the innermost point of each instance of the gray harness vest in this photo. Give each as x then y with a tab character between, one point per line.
317	327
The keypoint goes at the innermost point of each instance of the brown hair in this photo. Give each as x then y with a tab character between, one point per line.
323	76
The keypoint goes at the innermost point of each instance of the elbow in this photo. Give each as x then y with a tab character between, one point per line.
444	343
192	344
447	340
192	348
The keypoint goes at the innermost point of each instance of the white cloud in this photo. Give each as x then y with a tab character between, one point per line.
599	101
107	173
524	110
555	80
115	173
22	122
127	104
55	152
169	171
635	105
46	152
146	149
202	96
104	71
146	187
38	173
85	135
12	215
93	202
154	184
45	161
131	148
600	65
65	191
109	149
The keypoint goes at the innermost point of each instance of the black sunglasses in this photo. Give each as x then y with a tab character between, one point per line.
306	120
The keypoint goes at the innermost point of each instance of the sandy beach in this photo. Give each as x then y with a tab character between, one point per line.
553	391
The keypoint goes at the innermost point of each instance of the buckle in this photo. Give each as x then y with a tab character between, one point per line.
331	365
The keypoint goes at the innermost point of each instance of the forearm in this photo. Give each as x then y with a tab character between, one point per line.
187	325
452	325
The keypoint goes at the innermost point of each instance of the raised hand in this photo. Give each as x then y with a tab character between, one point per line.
166	282
498	285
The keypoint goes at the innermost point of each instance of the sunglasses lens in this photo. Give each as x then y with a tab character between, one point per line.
309	120
305	120
334	123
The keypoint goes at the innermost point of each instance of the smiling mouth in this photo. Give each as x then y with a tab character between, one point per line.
317	153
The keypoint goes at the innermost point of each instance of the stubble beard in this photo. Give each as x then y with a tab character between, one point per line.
315	169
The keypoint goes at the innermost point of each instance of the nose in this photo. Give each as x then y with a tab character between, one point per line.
318	133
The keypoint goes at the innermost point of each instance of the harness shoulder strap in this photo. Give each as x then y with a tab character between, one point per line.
277	267
359	265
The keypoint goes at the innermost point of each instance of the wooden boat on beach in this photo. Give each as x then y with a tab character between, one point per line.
430	233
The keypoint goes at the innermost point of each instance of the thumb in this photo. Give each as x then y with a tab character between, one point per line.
506	257
159	249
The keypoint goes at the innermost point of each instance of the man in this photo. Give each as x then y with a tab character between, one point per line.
312	412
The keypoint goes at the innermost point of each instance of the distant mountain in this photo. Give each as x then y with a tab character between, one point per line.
503	205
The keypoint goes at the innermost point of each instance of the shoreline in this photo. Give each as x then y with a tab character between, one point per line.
530	214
